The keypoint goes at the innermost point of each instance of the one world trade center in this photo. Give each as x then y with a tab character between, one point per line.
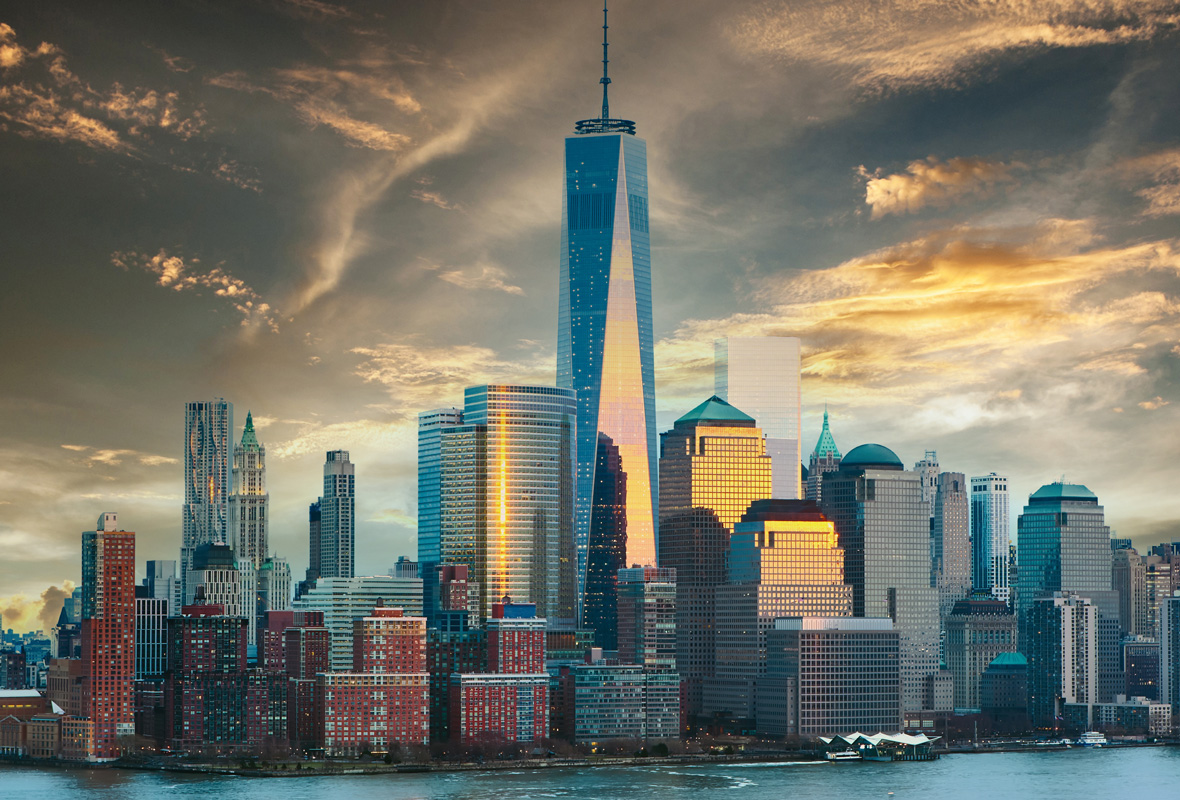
604	347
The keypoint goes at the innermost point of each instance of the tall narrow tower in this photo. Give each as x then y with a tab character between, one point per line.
337	529
248	503
604	336
208	436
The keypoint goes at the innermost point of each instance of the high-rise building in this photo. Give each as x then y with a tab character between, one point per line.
989	535
343	600
950	540
1062	656
977	631
162	582
884	527
208	435
1141	667
151	635
248	503
608	545
337	534
430	427
824	458
1128	577
624	702
108	633
1063	546
215	573
1170	652
783	562
928	472
313	548
506	496
760	375
647	617
828	676
605	348
713	464
1161	577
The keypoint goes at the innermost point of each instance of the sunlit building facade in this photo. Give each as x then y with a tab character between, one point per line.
604	335
760	375
208	443
506	496
713	465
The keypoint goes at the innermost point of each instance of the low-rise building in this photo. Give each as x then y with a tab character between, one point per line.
491	707
613	701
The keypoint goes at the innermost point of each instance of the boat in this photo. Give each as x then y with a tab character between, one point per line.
1091	739
844	755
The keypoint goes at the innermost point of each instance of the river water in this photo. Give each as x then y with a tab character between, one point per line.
1123	774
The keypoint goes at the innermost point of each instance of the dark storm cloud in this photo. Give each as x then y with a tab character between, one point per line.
337	215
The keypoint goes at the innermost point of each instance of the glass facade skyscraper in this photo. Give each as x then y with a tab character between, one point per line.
989	535
604	338
760	375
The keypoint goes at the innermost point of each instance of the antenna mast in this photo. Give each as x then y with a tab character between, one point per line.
605	81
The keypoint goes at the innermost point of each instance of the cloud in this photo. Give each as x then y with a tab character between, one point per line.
883	45
231	172
1163	170
317	9
358	133
44	116
434	199
174	273
24	614
932	182
1152	405
116	457
481	276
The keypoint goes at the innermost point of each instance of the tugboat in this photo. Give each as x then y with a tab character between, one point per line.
1090	739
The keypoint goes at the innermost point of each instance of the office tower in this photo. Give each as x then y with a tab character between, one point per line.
215	572
248	503
783	562
1128	577
884	527
1003	692
824	458
1161	577
1062	655
162	582
604	325
506	496
928	472
647	617
405	568
950	540
430	427
313	549
1118	543
274	585
830	675
151	635
713	464
977	632
1141	667
989	535
384	701
1170	652
108	632
208	435
760	375
624	702
337	528
608	545
1062	542
344	599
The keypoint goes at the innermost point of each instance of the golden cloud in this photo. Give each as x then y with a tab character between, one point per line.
24	614
932	182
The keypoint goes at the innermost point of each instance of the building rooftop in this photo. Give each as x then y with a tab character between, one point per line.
827	443
783	510
1009	660
871	456
716	410
1062	491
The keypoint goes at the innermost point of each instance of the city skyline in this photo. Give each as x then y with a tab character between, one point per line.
1022	222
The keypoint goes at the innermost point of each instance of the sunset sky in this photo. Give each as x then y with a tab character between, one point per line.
338	215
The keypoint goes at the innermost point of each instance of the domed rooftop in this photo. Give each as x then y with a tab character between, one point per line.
871	456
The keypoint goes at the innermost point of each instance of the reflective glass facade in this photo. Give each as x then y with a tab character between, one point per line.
989	535
604	338
505	506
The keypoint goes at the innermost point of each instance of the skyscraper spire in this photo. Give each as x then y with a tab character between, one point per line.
249	438
604	123
826	443
605	81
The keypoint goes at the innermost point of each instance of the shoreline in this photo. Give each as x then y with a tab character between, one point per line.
311	769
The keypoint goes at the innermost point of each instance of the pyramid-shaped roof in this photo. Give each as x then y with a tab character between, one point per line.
715	410
249	438
826	443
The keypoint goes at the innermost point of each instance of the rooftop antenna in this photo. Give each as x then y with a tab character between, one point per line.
605	81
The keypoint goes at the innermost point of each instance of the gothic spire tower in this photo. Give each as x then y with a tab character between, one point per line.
604	337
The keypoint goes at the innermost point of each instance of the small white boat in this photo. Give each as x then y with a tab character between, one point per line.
1091	739
844	755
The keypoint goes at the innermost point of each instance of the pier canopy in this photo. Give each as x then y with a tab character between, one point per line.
883	746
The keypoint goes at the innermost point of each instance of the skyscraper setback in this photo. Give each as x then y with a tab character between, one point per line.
604	336
248	503
208	436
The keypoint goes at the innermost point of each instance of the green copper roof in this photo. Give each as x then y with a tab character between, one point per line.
1063	491
826	443
1009	660
715	410
249	440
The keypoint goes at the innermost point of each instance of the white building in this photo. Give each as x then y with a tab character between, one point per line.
248	503
760	375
